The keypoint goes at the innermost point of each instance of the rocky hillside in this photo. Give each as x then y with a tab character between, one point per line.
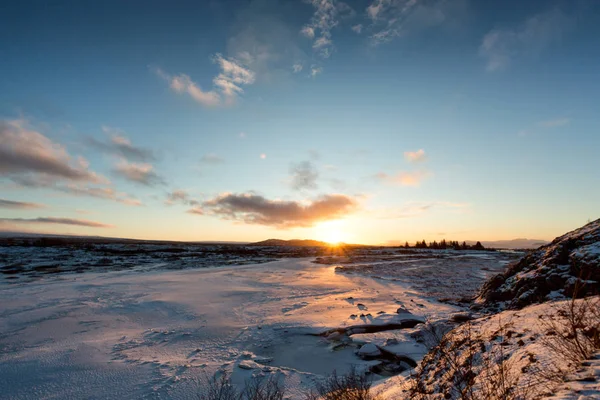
552	272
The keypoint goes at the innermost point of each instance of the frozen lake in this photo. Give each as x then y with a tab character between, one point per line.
156	332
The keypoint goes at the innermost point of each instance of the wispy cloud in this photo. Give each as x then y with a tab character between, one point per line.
405	178
303	176
19	205
357	28
76	189
554	123
325	18
211	159
227	85
142	173
264	41
120	145
182	197
106	193
251	208
415	156
315	70
395	18
501	46
195	211
24	152
415	209
297	68
56	220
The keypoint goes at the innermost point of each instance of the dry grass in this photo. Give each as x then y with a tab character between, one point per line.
351	386
219	387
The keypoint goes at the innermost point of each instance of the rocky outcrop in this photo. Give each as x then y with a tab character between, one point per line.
567	267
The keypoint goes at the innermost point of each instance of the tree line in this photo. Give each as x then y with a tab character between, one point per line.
443	245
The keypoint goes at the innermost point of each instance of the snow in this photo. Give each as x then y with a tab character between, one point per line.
130	334
517	338
153	326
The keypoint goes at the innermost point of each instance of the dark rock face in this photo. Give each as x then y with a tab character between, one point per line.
568	266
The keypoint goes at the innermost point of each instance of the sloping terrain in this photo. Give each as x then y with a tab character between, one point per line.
568	266
507	355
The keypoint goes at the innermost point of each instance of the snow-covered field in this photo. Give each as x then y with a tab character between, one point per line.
155	333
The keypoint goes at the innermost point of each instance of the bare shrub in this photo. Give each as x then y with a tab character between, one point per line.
219	387
572	334
263	388
351	386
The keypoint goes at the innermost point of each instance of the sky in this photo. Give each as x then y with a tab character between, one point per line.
367	121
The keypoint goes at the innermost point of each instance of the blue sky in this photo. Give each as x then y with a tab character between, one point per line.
366	121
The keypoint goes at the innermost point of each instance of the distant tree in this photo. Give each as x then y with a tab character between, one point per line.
478	246
434	245
421	245
406	245
443	244
464	246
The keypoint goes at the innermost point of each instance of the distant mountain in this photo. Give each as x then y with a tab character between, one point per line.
293	242
79	238
515	244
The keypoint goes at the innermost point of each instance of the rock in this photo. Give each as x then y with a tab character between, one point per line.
263	360
402	310
369	350
335	336
247	364
462	317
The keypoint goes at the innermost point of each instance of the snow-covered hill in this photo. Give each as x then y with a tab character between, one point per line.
504	356
570	264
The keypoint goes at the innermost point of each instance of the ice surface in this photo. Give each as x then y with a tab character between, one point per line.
149	333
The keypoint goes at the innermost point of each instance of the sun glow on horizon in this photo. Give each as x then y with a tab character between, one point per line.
332	232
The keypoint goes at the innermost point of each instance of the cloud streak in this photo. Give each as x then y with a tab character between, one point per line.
395	18
404	178
56	220
415	209
251	208
211	159
554	123
182	197
25	152
142	173
227	85
118	144
500	47
19	205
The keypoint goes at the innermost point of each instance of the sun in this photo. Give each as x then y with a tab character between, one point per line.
331	232
333	237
